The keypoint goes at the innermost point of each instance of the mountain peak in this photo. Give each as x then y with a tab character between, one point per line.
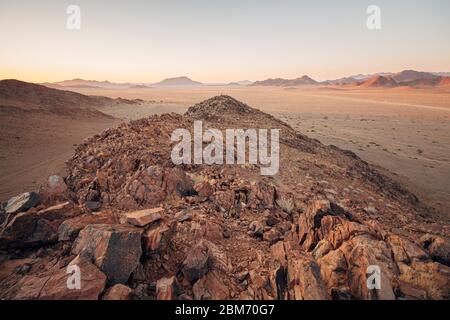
178	82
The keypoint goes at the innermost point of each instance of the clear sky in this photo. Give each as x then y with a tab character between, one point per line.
220	41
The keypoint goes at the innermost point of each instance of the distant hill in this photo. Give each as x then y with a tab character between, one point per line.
412	75
341	81
241	83
304	80
378	82
444	81
442	74
81	83
19	95
177	82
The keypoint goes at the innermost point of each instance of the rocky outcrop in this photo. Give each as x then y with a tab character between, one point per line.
114	249
327	226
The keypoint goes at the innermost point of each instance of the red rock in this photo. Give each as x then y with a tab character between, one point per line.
142	218
33	228
115	249
117	292
438	247
70	228
166	289
177	182
157	239
203	257
204	189
210	287
22	202
54	286
304	278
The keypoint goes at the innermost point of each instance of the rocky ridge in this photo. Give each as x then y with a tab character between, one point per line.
139	227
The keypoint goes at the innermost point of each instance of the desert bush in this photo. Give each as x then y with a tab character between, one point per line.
286	204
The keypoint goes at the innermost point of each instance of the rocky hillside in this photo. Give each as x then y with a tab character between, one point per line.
139	227
16	96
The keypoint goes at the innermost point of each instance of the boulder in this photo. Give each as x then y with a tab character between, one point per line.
210	287
438	248
117	292
177	182
304	277
142	218
167	288
197	262
115	249
22	202
54	284
158	238
33	228
70	228
256	228
203	257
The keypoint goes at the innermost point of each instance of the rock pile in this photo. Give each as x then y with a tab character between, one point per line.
135	226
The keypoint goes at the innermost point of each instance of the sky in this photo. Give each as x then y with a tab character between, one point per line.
220	41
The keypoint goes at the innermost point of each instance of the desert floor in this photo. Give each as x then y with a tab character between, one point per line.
406	131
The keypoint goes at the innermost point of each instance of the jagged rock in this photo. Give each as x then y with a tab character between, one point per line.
272	236
201	258
432	277
167	289
366	251
157	239
196	264
22	202
184	215
93	205
147	186
333	268
210	287
144	217
411	292
70	228
33	228
437	247
115	249
262	196
204	189
404	250
117	292
304	279
54	286
178	183
257	228
258	285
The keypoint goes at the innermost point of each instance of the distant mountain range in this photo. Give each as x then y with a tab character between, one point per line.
404	78
304	80
383	79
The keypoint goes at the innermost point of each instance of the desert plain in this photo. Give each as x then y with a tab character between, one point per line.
403	131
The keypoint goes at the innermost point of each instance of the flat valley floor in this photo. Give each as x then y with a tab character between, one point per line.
404	130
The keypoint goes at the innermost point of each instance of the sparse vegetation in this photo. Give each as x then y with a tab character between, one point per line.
286	204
